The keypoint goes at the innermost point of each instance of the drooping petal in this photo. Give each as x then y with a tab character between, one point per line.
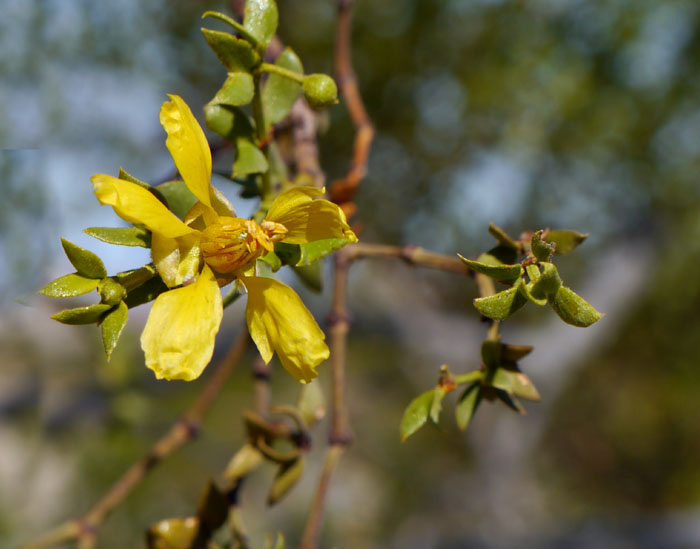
307	219
178	339
177	260
135	204
279	321
188	146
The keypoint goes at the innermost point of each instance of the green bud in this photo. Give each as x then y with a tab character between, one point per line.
111	292
320	90
542	250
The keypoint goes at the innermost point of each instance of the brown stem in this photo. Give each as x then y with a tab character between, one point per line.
185	429
413	255
261	385
340	435
344	190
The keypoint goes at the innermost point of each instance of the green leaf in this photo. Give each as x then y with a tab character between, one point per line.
542	250
178	198
260	20
83	315
313	251
503	238
123	236
565	240
249	158
526	291
514	382
212	510
436	405
573	309
220	119
287	476
85	262
273	260
499	255
238	89
474	375
514	353
70	285
232	296
146	292
136	277
126	176
509	401
501	305
503	273
310	275
467	404
247	459
236	54
491	353
547	283
112	327
416	414
280	93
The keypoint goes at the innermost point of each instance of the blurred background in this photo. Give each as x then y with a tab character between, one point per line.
531	114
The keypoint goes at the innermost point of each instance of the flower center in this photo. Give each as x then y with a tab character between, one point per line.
231	243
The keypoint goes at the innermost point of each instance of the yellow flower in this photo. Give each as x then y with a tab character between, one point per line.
212	247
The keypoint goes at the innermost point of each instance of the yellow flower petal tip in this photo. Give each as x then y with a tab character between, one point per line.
279	322
188	146
179	336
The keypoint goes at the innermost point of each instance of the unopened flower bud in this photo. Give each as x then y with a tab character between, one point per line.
320	90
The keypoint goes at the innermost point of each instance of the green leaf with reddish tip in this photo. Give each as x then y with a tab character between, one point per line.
503	273
260	19
503	238
85	262
566	241
70	285
573	309
280	93
238	89
236	54
542	250
416	414
467	405
514	353
514	382
113	326
121	236
436	405
501	305
287	476
83	315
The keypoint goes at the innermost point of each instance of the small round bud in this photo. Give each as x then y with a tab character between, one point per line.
320	90
111	292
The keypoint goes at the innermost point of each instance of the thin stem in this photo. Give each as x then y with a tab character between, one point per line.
261	134
286	73
340	436
413	255
183	430
344	190
261	375
236	25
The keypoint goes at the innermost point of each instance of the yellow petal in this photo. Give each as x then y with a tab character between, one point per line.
177	259
306	219
188	146
178	339
279	321
135	204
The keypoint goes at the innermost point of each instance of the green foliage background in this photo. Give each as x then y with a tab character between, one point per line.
568	114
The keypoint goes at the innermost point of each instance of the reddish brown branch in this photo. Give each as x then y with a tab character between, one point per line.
344	190
185	429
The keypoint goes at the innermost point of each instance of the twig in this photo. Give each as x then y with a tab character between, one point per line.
261	385
343	190
412	255
340	436
185	429
305	146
